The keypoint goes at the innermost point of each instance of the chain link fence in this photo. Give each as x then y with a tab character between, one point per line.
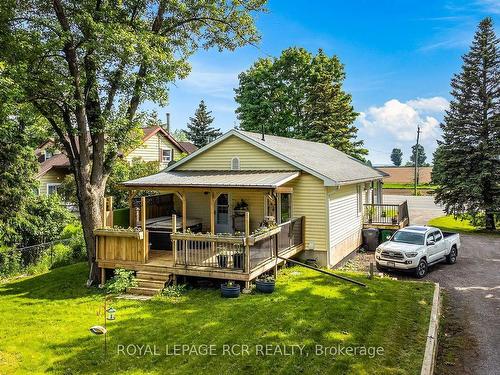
48	254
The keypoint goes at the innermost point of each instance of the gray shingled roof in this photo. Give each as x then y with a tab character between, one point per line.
250	179
319	157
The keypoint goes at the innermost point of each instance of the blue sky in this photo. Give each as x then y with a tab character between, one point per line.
399	58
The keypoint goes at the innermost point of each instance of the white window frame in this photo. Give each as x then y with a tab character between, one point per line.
163	160
359	197
49	185
237	159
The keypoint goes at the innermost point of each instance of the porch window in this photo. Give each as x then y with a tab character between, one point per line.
235	164
166	155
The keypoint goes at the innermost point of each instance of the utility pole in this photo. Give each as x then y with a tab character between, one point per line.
416	159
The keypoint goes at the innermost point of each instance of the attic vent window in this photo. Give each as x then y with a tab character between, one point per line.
235	164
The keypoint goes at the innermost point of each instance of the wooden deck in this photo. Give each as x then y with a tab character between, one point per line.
204	255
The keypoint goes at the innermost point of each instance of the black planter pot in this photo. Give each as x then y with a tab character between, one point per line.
394	220
265	286
230	291
222	260
238	260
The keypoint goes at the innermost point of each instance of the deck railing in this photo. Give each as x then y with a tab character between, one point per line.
236	253
386	214
206	250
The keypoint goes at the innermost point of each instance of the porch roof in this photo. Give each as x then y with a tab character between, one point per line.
212	179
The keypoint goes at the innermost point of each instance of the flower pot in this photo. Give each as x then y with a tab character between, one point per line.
222	260
394	220
238	260
232	291
265	286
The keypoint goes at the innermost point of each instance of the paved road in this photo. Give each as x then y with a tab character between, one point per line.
473	285
421	209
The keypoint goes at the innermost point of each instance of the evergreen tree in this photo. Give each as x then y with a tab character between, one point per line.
397	157
421	155
466	161
199	130
301	96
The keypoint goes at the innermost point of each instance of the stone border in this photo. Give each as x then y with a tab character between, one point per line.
429	362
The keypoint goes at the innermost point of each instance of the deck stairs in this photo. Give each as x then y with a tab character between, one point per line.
150	283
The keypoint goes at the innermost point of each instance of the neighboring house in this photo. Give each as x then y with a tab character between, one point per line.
157	145
406	175
279	177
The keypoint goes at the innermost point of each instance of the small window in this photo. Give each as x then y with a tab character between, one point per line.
166	155
235	164
48	154
360	198
52	188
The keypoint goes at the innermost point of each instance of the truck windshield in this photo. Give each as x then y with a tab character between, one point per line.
409	237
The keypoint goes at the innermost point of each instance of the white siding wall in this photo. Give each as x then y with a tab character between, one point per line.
345	222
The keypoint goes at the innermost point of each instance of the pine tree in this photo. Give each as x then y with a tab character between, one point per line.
466	161
397	157
328	111
421	155
199	130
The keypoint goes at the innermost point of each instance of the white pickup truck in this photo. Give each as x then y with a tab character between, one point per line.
415	248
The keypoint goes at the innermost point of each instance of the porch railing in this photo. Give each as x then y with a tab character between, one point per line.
386	214
290	234
236	253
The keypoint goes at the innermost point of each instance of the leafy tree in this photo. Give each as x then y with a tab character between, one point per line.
86	66
18	165
421	155
122	171
299	95
397	157
180	135
467	168
199	130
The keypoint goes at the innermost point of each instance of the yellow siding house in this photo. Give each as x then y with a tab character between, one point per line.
272	178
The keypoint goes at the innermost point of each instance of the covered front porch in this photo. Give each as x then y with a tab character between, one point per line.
231	231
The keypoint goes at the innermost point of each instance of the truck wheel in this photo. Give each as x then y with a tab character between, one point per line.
451	258
421	269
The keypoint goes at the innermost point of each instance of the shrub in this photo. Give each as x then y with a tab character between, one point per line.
122	280
10	261
74	233
174	290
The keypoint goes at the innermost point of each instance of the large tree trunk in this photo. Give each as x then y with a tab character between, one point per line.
90	198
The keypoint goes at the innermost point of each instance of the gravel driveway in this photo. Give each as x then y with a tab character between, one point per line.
472	311
473	287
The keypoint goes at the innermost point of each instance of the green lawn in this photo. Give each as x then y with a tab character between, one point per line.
45	321
449	223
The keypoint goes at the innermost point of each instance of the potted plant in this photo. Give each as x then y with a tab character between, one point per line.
238	259
240	208
222	258
265	284
370	211
230	289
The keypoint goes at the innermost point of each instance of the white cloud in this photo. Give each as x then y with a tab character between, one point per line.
401	119
436	104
